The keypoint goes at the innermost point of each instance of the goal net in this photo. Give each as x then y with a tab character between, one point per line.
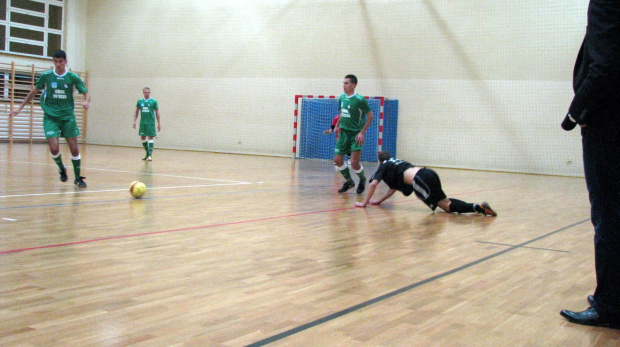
314	114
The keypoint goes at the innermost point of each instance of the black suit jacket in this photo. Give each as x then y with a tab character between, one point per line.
596	77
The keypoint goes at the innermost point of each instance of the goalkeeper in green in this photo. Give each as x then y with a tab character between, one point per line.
58	112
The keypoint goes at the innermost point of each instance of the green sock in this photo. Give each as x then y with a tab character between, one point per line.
346	174
77	163
361	175
146	147
150	148
58	161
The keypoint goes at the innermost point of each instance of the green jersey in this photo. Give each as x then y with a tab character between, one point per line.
57	96
147	109
353	110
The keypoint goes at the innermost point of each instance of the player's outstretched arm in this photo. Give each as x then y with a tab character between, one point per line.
371	190
17	109
385	197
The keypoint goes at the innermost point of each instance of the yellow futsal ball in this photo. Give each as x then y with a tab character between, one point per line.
137	189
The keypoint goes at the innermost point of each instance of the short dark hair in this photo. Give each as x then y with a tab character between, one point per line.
351	78
60	54
385	155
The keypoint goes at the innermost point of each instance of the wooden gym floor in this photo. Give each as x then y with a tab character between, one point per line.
240	250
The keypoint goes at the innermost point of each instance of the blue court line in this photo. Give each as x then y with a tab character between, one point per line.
391	294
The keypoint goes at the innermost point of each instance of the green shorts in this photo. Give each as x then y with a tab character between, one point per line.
147	130
56	127
346	142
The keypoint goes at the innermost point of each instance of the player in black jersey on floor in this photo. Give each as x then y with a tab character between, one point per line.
407	178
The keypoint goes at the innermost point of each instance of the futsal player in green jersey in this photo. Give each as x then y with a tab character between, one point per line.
149	111
58	112
355	118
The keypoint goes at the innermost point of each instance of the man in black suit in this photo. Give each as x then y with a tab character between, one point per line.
596	109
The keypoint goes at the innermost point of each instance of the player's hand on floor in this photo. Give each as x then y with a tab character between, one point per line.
359	204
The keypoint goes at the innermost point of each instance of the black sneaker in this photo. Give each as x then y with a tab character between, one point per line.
360	187
63	175
80	182
486	209
145	157
346	186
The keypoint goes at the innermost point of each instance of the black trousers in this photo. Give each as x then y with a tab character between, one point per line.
601	157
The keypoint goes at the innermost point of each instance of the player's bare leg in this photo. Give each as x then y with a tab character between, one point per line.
73	146
338	160
355	160
53	144
445	204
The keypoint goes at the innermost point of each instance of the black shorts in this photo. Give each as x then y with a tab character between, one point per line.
427	187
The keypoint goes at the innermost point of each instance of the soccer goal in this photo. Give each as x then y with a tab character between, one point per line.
314	114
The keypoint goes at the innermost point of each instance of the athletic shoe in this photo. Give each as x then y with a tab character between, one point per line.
149	158
346	186
80	182
63	175
487	210
145	157
360	187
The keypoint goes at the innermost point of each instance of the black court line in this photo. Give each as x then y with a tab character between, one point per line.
537	248
391	294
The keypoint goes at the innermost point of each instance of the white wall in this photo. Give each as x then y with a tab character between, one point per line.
481	84
75	38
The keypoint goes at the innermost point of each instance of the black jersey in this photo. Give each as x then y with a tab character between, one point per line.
391	172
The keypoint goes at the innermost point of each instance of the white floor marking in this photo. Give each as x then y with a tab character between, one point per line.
124	189
131	172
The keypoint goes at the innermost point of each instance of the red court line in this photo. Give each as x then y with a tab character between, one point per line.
207	226
170	231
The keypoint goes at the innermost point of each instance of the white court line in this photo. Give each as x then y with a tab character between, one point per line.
131	172
175	176
125	189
